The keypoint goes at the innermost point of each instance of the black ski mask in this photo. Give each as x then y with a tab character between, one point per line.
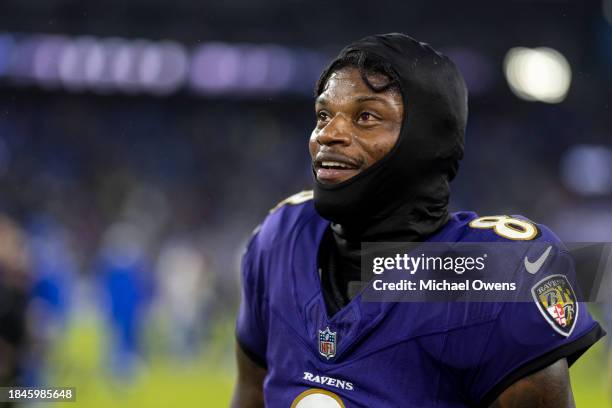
404	196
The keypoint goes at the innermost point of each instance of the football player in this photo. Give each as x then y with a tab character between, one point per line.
391	115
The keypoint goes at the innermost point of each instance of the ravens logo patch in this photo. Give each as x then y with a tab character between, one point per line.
557	303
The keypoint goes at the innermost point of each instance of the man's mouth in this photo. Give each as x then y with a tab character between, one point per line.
333	168
335	165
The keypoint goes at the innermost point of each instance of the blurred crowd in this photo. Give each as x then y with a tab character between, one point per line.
136	210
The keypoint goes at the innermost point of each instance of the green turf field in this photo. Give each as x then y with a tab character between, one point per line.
206	380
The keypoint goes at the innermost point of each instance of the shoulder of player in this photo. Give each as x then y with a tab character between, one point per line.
284	218
508	228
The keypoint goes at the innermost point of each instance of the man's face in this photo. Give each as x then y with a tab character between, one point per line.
356	126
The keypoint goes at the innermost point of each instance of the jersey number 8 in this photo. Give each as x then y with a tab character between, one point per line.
507	227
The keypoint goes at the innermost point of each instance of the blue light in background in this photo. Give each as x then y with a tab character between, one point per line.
7	44
587	169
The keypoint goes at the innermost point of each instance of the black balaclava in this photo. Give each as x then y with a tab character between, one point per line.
404	196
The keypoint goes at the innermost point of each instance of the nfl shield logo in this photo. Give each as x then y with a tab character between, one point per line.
327	343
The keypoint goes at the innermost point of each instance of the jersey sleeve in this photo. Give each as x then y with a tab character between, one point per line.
528	336
251	333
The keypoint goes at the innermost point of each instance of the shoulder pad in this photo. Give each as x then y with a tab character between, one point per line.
284	218
295	199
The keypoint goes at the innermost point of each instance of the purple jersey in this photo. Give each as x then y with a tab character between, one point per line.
385	354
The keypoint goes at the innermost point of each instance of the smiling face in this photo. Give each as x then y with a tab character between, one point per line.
356	126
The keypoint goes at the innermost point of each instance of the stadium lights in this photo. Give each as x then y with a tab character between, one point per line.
137	66
46	61
164	67
219	68
215	68
538	74
71	63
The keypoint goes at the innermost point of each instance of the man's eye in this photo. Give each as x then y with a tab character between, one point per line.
366	116
322	116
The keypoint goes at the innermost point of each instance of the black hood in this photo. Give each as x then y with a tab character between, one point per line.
405	195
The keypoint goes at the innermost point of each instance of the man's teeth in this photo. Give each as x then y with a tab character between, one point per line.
335	164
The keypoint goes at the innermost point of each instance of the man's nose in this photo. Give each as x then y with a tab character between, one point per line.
337	131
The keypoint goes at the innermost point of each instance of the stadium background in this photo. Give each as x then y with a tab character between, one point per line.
141	142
